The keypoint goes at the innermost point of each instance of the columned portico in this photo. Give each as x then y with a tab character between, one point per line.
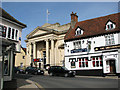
47	52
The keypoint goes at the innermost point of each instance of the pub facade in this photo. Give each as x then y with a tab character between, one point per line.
92	47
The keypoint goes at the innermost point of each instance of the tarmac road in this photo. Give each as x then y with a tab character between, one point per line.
74	82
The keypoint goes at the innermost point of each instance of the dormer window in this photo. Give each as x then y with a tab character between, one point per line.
110	25
78	31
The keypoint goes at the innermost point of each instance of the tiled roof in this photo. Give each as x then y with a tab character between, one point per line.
6	15
94	27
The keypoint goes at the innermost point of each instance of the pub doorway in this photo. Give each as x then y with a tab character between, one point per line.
112	66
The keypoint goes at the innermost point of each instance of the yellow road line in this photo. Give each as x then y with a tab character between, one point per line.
39	86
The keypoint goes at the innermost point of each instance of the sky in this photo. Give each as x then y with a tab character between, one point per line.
34	14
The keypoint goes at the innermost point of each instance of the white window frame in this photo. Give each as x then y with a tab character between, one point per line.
78	32
77	45
109	39
96	60
83	60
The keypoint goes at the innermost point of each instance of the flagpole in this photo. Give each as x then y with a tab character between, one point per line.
47	16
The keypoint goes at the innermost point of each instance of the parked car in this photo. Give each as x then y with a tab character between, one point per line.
34	70
15	69
21	70
60	71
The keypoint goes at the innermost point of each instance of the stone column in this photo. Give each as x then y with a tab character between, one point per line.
47	52
30	53
52	62
34	51
30	49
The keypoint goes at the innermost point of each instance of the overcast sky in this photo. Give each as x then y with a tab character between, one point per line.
34	14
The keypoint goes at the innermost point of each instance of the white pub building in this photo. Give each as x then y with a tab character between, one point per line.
92	47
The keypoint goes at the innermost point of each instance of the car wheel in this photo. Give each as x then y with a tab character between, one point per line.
66	75
26	72
51	74
35	73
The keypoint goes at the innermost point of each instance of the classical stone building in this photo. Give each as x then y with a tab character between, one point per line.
45	45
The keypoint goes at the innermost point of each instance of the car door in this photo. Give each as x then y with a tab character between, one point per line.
60	71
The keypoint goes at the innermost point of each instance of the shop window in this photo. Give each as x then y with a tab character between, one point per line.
77	45
97	61
83	62
109	39
6	65
72	64
72	60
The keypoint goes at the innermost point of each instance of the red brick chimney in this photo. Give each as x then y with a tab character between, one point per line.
74	19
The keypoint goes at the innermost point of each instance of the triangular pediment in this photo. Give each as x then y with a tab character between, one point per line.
38	31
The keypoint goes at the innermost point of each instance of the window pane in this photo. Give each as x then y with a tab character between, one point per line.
16	34
111	26
83	63
4	31
93	63
79	64
13	30
97	63
87	64
9	32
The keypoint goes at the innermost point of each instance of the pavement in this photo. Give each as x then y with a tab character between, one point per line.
19	83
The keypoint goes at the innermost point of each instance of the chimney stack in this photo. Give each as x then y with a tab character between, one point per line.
74	19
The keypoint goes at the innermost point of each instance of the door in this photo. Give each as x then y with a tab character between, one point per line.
112	66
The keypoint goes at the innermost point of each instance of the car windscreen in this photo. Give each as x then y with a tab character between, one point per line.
64	68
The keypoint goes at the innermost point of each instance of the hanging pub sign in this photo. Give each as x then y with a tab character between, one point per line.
79	50
107	47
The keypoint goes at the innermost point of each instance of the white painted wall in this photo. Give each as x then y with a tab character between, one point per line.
8	24
99	41
96	42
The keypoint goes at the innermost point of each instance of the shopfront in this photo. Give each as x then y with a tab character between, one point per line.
10	36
